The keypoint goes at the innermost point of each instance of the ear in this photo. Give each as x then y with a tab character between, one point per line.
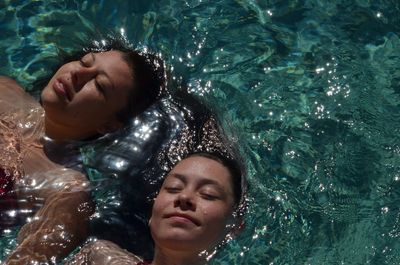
110	126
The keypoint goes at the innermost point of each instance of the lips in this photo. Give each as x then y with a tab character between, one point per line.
61	88
183	218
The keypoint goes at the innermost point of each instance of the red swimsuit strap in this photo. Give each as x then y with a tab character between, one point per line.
6	181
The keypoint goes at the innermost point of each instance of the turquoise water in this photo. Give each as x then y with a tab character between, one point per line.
312	89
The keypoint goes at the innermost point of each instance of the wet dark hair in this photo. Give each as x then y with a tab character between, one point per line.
235	170
148	73
149	82
147	69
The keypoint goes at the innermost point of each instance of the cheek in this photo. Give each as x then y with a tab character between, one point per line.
88	98
159	205
216	229
64	69
88	91
156	216
216	217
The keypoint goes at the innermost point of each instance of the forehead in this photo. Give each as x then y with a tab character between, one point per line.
197	168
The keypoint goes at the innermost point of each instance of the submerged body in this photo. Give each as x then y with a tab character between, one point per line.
36	181
94	94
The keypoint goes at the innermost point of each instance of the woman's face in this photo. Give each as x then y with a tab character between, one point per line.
194	206
86	94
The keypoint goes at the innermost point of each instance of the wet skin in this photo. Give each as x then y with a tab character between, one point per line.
85	95
192	212
80	101
62	194
194	206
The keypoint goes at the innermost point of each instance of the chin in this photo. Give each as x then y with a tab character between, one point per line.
46	95
46	103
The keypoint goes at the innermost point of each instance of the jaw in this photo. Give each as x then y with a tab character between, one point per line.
61	132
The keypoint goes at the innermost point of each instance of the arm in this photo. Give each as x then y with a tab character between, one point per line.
103	252
61	224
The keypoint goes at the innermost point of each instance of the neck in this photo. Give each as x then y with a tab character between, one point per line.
172	257
63	133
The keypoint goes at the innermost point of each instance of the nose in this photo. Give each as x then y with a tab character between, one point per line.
185	201
81	75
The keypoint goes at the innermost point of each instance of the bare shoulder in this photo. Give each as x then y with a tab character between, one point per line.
104	252
11	91
6	79
7	82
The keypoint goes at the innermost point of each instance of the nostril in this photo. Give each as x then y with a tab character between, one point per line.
184	202
76	81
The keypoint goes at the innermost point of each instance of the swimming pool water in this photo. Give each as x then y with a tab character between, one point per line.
311	88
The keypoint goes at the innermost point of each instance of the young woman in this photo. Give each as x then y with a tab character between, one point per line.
87	97
196	209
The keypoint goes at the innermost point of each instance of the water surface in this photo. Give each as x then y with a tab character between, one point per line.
311	88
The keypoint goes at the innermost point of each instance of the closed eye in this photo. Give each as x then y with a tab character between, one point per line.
211	192
99	87
82	62
87	60
172	189
209	197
